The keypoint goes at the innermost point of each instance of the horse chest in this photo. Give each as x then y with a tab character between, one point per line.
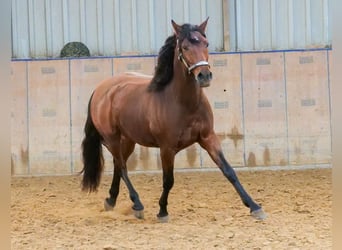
187	135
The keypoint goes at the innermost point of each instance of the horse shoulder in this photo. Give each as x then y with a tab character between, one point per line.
205	119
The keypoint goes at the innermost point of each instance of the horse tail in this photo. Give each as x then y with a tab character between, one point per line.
91	155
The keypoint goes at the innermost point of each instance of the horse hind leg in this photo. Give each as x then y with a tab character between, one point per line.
137	207
110	202
127	148
120	154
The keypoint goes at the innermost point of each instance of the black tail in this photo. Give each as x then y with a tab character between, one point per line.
92	156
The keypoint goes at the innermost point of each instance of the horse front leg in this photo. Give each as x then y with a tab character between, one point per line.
167	158
212	145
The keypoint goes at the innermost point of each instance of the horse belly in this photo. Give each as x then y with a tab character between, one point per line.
139	134
109	102
135	123
145	140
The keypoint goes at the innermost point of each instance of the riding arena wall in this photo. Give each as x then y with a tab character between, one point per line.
271	109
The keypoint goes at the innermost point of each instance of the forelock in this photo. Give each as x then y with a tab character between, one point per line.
186	31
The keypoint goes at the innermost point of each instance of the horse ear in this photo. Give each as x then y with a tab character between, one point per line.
176	28
203	25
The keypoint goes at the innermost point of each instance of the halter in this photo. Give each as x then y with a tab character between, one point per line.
190	68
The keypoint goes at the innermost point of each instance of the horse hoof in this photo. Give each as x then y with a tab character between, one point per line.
107	206
259	214
139	214
163	219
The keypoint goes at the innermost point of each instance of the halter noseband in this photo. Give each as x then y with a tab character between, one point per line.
190	68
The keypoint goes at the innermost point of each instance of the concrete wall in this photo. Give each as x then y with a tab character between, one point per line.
271	109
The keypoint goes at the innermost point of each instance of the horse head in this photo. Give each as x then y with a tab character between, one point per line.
192	49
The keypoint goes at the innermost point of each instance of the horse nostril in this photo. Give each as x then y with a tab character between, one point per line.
204	76
200	77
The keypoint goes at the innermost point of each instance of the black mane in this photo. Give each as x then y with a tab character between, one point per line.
164	70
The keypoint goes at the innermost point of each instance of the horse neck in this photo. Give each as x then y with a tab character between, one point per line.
185	88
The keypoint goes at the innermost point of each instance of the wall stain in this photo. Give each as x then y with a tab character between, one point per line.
283	162
159	162
251	161
132	161
144	157
298	152
221	136
191	154
24	155
267	157
235	135
12	165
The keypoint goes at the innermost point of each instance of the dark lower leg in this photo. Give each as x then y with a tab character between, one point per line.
115	187
137	205
168	180
229	172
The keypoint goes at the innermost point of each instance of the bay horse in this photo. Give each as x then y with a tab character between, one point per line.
168	110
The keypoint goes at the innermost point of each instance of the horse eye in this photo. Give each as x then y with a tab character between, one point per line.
186	47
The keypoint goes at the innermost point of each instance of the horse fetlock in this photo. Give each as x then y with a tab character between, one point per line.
246	203
138	206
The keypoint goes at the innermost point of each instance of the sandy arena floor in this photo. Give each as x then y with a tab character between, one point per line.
205	213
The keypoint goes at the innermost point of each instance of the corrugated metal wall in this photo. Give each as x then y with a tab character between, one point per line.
108	27
118	27
277	24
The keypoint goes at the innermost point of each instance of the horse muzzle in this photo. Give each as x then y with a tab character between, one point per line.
204	77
